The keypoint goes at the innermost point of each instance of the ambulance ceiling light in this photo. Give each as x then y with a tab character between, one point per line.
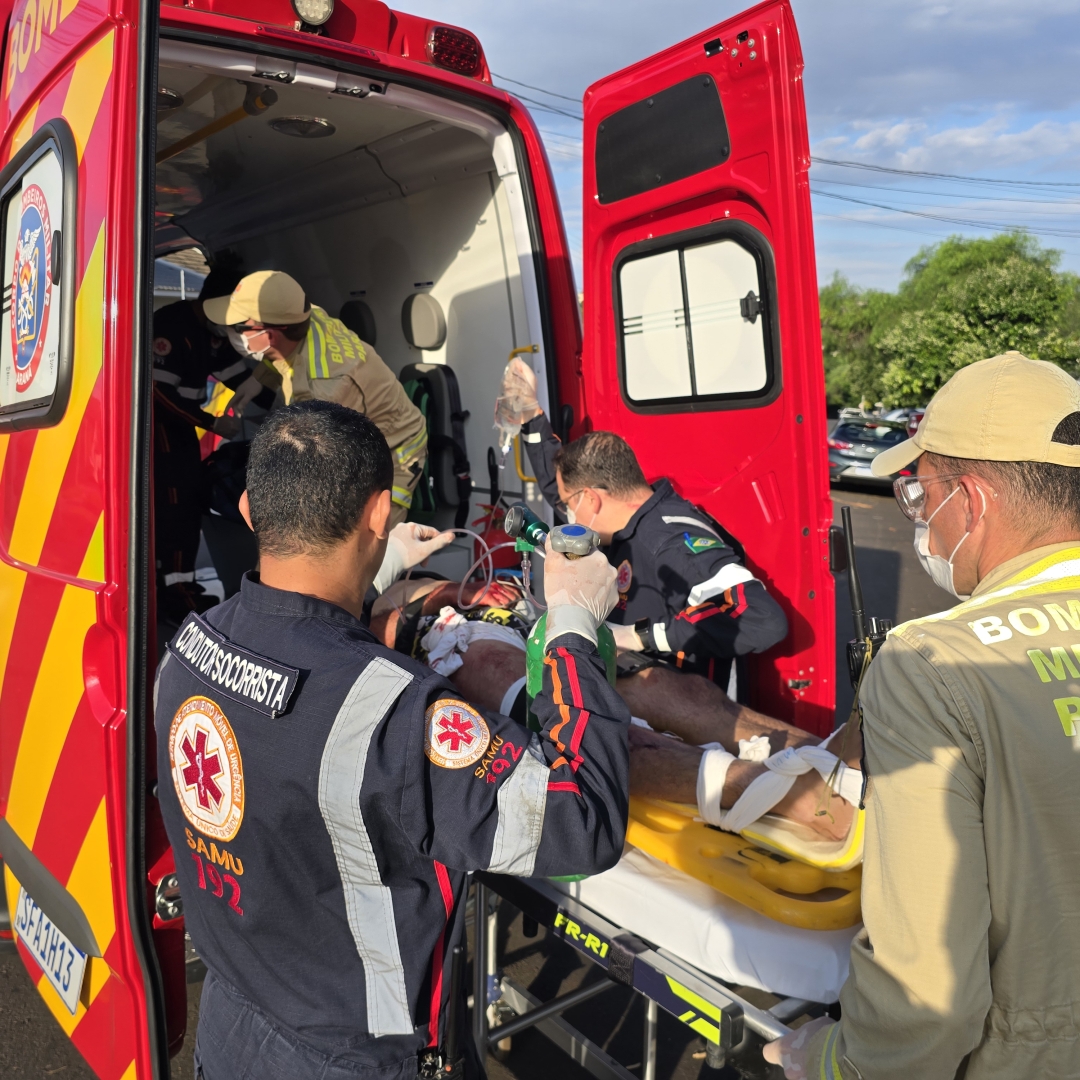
303	127
454	49
313	12
168	99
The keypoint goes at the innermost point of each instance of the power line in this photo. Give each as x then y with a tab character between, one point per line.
944	176
548	108
965	222
951	195
538	89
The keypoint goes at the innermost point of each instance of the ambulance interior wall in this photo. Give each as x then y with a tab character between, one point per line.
458	238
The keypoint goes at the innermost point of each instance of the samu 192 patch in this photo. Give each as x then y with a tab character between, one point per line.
457	735
698	544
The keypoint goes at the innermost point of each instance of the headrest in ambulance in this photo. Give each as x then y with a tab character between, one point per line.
423	321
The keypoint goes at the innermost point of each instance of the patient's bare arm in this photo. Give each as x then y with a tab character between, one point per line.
386	612
698	711
664	768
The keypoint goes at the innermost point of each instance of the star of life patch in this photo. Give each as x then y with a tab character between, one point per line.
624	576
162	346
255	681
457	735
207	770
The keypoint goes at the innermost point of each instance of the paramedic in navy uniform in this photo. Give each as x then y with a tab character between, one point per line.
685	598
325	796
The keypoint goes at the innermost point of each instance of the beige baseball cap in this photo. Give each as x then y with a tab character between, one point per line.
271	297
1006	408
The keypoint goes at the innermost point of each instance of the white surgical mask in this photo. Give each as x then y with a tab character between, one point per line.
938	567
239	343
571	517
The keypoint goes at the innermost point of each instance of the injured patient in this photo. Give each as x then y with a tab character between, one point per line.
690	742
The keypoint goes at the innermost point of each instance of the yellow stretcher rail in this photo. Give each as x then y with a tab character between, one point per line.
778	887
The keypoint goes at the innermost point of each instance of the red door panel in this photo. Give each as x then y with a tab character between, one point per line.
702	338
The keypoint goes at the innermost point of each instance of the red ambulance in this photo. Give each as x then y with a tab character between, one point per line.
384	165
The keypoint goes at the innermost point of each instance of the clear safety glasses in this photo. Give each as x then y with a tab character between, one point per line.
910	492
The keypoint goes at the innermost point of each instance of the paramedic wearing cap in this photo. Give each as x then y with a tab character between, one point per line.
685	596
325	796
969	963
187	353
313	356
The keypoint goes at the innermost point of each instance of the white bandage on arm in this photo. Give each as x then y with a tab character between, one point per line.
711	777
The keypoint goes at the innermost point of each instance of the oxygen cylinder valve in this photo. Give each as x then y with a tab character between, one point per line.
574	541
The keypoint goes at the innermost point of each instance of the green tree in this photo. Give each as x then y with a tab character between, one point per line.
960	301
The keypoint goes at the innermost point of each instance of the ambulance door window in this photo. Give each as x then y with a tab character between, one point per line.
35	317
695	326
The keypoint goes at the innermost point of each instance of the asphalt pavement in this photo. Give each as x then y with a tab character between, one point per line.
894	587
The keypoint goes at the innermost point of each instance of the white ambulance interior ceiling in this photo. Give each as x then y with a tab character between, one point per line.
394	201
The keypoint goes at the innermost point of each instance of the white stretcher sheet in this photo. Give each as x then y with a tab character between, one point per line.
714	933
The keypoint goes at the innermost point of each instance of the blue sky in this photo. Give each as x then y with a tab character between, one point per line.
976	88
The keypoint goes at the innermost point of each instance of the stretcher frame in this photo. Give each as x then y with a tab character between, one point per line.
701	1001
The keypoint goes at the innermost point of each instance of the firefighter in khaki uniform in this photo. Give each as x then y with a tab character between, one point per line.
310	355
969	963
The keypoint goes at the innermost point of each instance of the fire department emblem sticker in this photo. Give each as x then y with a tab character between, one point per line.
456	734
624	576
31	286
206	768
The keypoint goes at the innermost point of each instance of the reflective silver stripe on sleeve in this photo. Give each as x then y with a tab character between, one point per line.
230	371
534	437
166	377
368	901
157	677
671	519
725	578
522	800
194	393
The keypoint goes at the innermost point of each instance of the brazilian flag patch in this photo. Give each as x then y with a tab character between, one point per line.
698	544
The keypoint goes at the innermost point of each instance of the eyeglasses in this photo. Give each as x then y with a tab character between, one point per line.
564	504
243	327
910	492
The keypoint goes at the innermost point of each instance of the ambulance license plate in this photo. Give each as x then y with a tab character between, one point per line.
63	964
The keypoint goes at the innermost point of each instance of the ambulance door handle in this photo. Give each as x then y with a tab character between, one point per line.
100	672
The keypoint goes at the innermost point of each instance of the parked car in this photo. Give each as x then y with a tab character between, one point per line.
854	444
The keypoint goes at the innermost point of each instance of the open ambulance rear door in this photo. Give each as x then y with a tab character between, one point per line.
78	848
702	335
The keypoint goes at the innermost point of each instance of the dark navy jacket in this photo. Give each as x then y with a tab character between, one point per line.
676	569
325	796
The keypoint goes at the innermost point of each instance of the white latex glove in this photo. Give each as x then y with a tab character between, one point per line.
790	1051
580	593
228	427
626	637
249	389
517	401
410	543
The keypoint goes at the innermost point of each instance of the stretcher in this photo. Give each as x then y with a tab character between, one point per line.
763	867
676	941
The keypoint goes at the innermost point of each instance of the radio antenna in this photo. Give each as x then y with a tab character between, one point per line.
854	584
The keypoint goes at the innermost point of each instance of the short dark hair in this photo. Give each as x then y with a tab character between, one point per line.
313	467
601	459
1039	490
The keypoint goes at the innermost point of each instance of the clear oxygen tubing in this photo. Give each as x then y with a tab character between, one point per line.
489	574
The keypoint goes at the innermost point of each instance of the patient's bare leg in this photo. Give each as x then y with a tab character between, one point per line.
663	768
488	670
698	711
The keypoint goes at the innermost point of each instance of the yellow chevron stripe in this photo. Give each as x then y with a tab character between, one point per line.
12	582
93	564
24	131
91	886
67	7
52	448
129	1072
57	692
87	88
